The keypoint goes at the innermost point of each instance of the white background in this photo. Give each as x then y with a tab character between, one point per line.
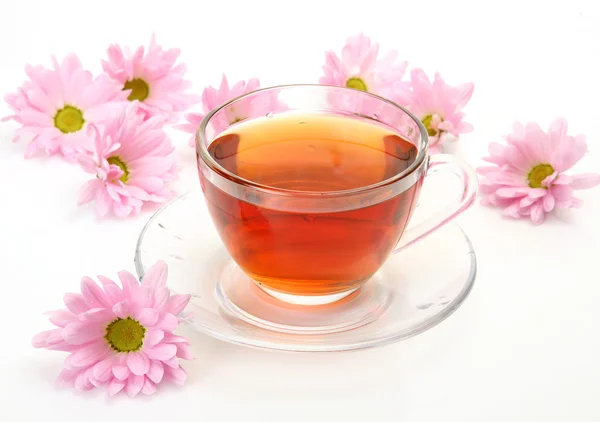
524	347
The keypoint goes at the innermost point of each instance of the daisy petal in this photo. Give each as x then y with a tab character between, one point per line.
88	192
511	192
82	381
97	315
47	338
153	337
537	193
537	214
134	385
103	369
138	363
162	352
120	372
171	363
113	294
161	298
562	193
75	303
527	201
548	203
122	309
83	332
149	387
177	375
513	210
168	323
563	179
115	385
172	338
177	303
184	351
67	377
147	316
61	317
156	371
143	297
156	276
130	284
585	181
87	355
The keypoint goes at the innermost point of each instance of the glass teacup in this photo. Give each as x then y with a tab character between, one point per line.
311	187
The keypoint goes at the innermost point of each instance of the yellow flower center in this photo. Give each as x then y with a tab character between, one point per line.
356	83
121	164
537	175
125	335
69	119
427	120
139	89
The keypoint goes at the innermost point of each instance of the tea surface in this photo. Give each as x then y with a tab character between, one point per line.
313	152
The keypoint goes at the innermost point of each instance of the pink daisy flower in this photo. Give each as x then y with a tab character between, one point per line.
360	68
132	164
152	78
55	106
438	105
527	176
215	97
121	338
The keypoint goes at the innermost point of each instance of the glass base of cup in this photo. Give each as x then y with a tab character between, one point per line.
248	301
306	300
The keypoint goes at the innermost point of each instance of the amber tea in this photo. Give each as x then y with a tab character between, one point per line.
319	253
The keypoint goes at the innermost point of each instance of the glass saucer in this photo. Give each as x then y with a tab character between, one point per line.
415	289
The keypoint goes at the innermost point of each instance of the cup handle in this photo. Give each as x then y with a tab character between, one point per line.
444	163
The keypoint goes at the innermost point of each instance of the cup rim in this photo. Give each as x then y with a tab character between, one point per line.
202	148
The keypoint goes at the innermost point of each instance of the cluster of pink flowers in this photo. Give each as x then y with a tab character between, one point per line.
112	124
437	104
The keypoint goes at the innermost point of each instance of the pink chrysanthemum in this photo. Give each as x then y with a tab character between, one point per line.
132	163
213	98
527	178
359	68
121	338
152	78
438	105
55	105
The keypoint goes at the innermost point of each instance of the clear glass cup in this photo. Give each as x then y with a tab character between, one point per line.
327	269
